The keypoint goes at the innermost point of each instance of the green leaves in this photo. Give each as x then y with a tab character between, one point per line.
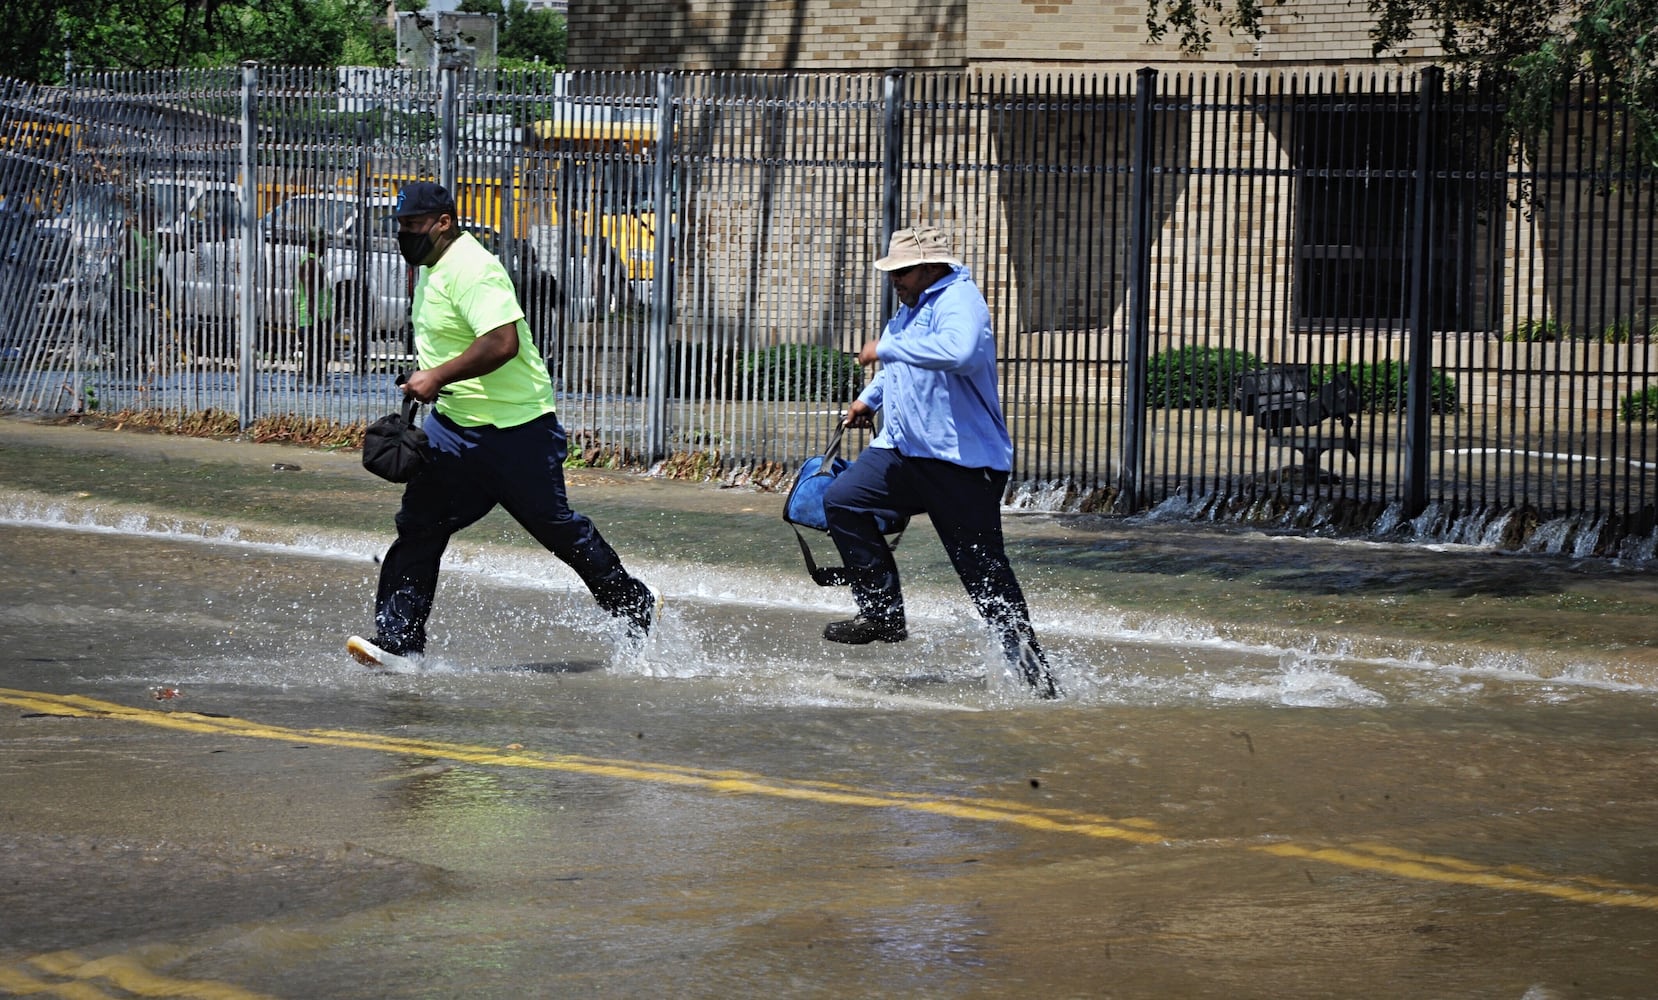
804	372
1194	376
167	34
525	37
1528	50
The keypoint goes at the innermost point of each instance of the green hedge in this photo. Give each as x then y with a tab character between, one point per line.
1383	387
1203	377
1639	407
804	372
1195	377
1617	331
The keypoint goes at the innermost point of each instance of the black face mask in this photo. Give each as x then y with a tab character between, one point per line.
415	247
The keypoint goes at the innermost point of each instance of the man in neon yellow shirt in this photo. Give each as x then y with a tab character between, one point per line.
493	437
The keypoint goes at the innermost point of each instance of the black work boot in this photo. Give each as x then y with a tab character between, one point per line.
880	616
861	629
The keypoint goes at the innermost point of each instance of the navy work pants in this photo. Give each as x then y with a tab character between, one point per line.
472	469
964	506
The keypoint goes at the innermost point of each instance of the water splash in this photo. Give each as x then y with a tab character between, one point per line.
758	627
1302	682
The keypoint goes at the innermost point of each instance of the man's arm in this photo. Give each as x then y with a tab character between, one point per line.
960	322
863	409
485	354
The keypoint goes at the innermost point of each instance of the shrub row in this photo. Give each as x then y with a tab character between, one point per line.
1186	378
805	372
1549	329
1203	377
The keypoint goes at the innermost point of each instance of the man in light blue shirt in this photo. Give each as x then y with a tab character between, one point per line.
943	450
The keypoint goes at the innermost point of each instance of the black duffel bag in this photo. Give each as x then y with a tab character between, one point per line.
394	447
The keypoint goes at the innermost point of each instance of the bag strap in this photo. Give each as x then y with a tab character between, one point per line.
825	576
411	405
833	449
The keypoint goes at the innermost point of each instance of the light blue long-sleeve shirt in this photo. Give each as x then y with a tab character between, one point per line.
936	389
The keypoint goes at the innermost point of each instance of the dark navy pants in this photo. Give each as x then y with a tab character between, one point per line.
965	507
472	470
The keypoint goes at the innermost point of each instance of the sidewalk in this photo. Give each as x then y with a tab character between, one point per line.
1464	605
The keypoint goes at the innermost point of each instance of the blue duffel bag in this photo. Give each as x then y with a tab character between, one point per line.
804	509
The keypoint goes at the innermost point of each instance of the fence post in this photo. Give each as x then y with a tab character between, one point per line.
76	321
662	269
892	172
358	304
1419	357
448	122
251	252
1135	361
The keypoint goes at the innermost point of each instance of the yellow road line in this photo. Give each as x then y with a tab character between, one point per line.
1588	890
1429	868
15	982
130	977
737	782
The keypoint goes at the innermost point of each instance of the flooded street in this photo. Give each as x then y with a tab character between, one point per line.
1382	779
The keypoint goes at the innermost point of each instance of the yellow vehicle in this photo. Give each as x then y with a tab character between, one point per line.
42	139
601	176
38	168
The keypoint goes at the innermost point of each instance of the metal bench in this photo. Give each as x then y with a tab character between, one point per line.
1284	404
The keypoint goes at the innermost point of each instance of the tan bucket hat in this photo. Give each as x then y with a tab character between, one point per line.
917	245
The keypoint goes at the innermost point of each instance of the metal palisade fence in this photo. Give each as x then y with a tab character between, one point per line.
1303	300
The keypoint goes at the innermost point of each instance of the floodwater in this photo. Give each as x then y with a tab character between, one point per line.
203	796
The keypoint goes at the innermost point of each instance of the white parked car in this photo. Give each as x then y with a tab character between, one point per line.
189	210
357	240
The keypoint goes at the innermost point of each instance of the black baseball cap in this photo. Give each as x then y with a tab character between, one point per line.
422	198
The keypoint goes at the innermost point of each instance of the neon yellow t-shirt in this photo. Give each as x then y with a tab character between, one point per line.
465	295
304	310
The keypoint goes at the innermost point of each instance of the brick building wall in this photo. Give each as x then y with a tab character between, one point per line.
939	34
766	34
1075	31
1036	32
